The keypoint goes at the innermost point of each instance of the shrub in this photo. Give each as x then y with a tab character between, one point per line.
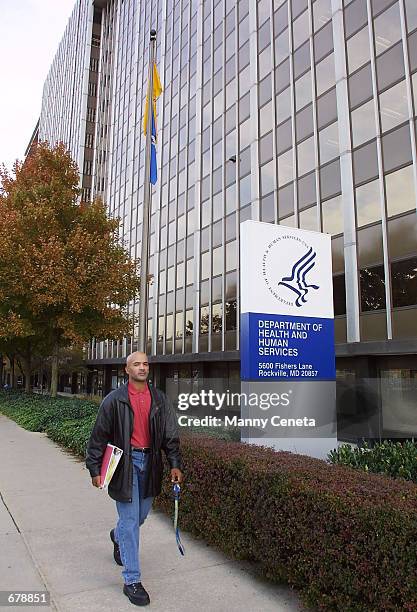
37	412
73	434
395	459
347	540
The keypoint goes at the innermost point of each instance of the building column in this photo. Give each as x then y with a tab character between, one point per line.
346	174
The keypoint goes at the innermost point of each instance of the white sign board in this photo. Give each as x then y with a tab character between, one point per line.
287	327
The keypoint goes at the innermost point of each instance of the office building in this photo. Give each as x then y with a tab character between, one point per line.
286	111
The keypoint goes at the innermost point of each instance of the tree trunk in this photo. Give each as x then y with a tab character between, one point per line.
12	373
54	373
48	381
27	370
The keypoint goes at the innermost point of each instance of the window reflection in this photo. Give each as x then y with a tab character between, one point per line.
230	197
355	17
300	30
288	221
217	261
281	15
286	201
323	42
161	328
404	282
370	251
329	143
305	156
304	122
265	63
411	11
339	295
302	59
205	265
283	103
190	271
363	123
284	136
387	28
332	216
263	11
303	91
266	120
244	80
372	282
358	50
338	263
267	178
268	208
360	86
322	13
282	75
189	317
308	219
327	108
325	74
368	207
231	314
400	191
402	233
231	285
204	320
180	275
285	168
282	47
307	190
390	66
393	106
245	191
365	163
266	148
179	322
231	256
396	148
216	318
245	133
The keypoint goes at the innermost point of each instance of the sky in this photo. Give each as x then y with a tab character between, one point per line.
30	31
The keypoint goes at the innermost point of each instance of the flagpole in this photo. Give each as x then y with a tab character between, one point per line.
147	199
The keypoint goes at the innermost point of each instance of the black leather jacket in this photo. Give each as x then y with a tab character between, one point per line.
114	425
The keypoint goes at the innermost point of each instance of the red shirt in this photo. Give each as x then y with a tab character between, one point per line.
141	405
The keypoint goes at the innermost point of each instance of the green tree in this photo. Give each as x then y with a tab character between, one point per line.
65	277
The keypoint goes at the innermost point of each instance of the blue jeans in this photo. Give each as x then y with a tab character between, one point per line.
131	516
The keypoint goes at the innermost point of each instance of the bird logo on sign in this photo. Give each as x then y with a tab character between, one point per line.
297	281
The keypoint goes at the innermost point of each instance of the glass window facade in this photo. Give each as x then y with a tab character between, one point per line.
248	127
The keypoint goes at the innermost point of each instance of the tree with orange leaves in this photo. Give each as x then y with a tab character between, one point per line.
65	277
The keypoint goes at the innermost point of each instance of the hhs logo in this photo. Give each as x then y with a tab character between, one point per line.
297	281
288	267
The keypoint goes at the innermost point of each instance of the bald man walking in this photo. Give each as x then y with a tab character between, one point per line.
140	419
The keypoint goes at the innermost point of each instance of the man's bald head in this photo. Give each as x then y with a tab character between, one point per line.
136	356
137	367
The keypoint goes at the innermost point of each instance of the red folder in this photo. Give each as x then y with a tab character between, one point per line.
111	458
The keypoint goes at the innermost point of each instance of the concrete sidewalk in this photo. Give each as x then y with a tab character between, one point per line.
54	536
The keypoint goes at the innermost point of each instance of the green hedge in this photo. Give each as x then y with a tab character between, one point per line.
66	421
346	539
397	459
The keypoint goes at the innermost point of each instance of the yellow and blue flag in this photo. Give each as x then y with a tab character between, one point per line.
157	90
